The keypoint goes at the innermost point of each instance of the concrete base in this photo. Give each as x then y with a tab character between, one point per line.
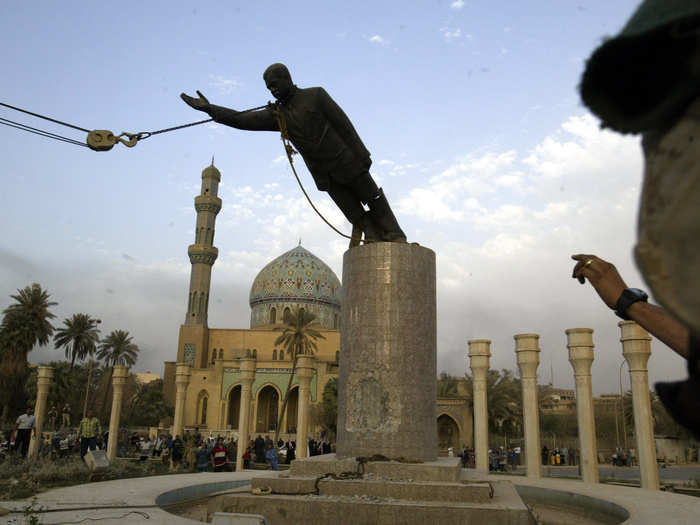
325	489
442	469
388	358
505	507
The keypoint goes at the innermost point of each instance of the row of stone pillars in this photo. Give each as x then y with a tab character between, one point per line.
636	349
247	365
44	377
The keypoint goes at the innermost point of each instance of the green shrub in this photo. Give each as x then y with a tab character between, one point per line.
20	479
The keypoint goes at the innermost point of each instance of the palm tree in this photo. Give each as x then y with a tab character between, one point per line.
504	404
116	349
25	324
447	385
298	338
79	337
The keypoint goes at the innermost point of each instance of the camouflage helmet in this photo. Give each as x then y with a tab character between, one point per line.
645	76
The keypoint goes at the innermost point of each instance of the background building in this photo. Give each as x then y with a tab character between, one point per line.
295	279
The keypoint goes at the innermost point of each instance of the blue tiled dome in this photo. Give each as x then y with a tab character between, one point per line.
296	277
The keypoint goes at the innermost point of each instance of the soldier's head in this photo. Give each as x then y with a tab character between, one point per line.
278	80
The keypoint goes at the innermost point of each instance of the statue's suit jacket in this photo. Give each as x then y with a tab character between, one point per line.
317	127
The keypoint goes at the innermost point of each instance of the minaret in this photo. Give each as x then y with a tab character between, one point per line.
203	253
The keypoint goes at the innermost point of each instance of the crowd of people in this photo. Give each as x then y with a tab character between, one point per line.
192	451
560	456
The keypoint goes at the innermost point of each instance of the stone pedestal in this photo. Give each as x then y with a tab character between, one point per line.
479	354
636	347
44	376
247	369
182	379
118	382
580	345
305	371
527	351
388	357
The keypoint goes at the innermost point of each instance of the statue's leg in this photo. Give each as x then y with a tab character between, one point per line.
351	206
381	212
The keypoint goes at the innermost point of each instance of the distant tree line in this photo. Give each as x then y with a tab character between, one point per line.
84	381
503	390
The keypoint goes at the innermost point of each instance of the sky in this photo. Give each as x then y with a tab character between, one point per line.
469	108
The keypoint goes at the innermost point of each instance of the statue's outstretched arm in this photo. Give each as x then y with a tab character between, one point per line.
263	120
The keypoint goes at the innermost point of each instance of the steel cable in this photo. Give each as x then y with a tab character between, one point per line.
40	132
45	117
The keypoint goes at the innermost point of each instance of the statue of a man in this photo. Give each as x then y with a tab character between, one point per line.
332	150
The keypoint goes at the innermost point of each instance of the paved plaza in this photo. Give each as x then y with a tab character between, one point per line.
136	500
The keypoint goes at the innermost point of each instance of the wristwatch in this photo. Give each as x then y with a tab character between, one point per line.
628	298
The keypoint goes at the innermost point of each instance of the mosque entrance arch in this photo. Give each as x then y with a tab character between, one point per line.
268	401
292	410
234	406
448	433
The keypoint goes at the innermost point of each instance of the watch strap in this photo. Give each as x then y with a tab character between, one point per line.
628	297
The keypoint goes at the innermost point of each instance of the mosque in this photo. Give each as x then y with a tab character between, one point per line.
211	396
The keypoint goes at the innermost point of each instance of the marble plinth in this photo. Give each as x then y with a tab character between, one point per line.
388	357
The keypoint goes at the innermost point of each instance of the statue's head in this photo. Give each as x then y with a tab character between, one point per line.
278	80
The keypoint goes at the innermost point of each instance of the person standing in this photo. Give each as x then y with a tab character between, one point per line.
218	455
23	431
52	417
158	446
88	431
291	452
65	415
177	449
259	449
202	458
271	456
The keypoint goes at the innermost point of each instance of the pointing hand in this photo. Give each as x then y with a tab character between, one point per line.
201	103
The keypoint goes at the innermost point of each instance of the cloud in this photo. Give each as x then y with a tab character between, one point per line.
503	225
225	86
377	39
457	4
452	34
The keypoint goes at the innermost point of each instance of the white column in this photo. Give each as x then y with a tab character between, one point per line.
636	348
118	382
527	351
43	381
580	345
479	354
182	379
305	371
247	368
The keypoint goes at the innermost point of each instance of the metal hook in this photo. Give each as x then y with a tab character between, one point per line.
133	139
